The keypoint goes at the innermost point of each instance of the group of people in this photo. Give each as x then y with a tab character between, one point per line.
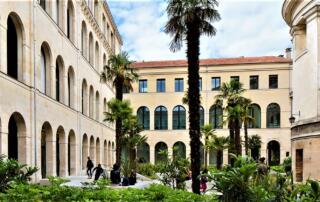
115	176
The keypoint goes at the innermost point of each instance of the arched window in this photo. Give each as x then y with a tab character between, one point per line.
91	98
43	71
215	116
273	116
59	79
104	24
179	150
161	118
14	47
160	146
273	149
179	117
91	48
143	153
97	106
255	113
97	57
201	112
104	59
143	116
84	97
70	21
71	88
84	40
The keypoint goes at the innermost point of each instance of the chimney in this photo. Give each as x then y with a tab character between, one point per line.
288	53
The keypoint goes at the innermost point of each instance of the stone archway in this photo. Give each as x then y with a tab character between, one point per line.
98	160
105	153
61	152
160	146
273	149
72	155
47	150
92	150
17	139
85	149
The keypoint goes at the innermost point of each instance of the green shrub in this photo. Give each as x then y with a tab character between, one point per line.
39	193
147	169
11	172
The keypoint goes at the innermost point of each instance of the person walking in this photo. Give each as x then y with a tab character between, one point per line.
89	168
98	171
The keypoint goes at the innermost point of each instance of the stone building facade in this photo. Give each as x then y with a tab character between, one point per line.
303	17
157	100
51	97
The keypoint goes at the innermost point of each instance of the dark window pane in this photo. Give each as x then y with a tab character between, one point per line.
200	84
143	86
178	85
215	116
143	116
235	78
215	83
161	118
179	118
125	89
254	82
201	111
273	81
273	116
161	85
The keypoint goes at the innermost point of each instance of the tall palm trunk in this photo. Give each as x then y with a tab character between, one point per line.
219	159
193	51
206	155
237	137
246	143
232	141
119	96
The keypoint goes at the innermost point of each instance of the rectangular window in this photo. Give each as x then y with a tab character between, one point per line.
178	85
161	85
143	86
200	84
254	82
125	89
235	78
299	165
215	83
273	81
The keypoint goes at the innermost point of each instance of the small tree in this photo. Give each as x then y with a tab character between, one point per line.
219	144
207	132
254	144
132	138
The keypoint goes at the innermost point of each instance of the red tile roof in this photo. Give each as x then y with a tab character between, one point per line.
213	62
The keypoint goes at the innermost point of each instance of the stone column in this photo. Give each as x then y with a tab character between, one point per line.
63	170
152	154
53	82
51	157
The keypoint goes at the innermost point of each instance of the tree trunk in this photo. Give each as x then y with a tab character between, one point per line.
219	159
238	138
206	154
193	51
232	142
246	143
119	96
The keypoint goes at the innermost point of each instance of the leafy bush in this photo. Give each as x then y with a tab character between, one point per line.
147	169
11	172
39	193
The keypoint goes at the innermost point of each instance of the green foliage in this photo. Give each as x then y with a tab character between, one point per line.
173	171
11	172
118	110
39	193
57	181
147	169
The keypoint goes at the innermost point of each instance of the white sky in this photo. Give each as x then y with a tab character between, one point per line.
247	28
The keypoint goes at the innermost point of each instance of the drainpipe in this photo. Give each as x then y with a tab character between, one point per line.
34	87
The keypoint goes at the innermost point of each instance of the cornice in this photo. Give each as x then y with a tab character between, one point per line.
89	16
107	9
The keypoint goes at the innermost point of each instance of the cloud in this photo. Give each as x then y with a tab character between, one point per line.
247	28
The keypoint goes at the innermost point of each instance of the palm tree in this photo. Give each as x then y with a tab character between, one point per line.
119	72
219	144
230	96
254	144
119	110
188	20
246	119
208	132
132	138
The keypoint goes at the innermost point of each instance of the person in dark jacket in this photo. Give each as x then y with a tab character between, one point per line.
98	171
89	168
132	178
115	174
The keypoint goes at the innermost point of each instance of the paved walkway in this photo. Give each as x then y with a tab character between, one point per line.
142	182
